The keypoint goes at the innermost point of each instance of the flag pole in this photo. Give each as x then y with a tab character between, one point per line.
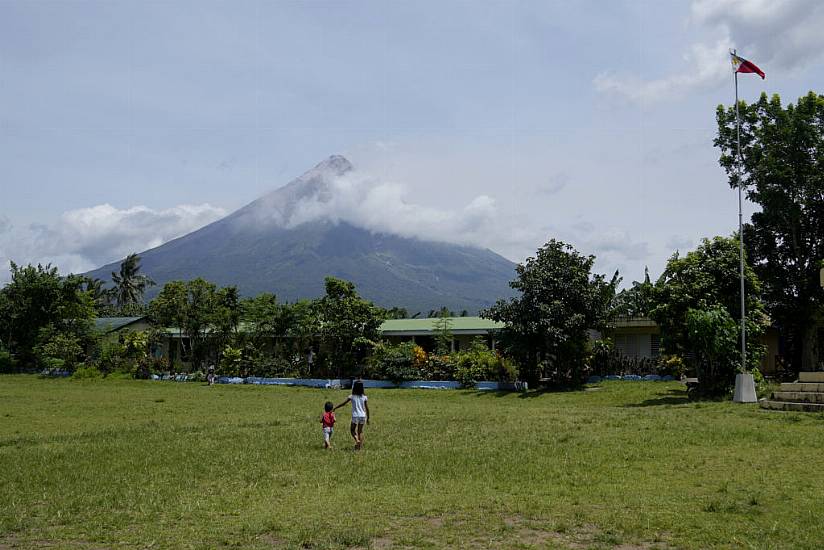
740	230
744	383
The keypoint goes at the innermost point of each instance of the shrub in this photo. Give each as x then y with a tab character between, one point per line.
57	345
762	387
231	361
713	336
111	357
603	359
439	367
401	362
477	365
672	365
275	367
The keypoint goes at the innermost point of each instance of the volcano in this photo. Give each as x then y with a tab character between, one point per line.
266	247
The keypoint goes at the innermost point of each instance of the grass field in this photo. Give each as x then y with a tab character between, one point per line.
162	465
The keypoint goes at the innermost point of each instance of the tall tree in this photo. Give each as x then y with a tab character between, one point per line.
169	309
206	316
782	171
560	299
346	320
226	315
129	283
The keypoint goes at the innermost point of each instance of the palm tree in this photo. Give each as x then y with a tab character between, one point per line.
101	296
129	285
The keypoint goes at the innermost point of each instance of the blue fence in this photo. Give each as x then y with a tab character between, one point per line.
332	383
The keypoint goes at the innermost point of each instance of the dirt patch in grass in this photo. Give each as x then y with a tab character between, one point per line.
381	542
272	540
541	539
527	533
435	522
8	542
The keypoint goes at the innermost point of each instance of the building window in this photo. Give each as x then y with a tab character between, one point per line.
655	345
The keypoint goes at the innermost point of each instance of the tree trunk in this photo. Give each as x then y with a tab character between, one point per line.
809	348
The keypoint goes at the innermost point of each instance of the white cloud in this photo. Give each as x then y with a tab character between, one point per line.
775	34
383	206
86	238
706	65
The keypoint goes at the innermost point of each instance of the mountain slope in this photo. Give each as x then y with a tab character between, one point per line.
261	247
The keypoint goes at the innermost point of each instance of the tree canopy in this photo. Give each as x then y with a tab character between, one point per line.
707	280
40	305
347	322
560	300
129	283
782	171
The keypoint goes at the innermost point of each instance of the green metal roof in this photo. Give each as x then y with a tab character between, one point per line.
456	325
110	324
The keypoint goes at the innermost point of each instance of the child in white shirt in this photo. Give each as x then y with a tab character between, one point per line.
360	412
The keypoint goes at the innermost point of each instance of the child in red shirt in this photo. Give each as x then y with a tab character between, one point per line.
328	422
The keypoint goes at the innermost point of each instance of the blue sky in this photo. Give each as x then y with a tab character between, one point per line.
125	124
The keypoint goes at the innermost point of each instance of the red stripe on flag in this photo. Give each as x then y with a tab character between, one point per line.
749	67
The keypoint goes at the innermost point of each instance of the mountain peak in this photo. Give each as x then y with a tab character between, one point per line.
336	165
278	206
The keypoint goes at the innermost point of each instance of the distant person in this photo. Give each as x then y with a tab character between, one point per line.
327	419
210	375
360	412
310	359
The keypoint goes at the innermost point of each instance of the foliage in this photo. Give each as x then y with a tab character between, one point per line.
713	337
477	365
136	344
231	361
762	387
62	346
604	360
438	367
207	316
101	297
408	361
560	300
782	171
636	301
602	357
225	318
345	320
707	279
443	335
38	298
442	312
396	313
129	283
111	356
672	365
398	363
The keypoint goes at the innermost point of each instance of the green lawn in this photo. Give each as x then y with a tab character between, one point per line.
165	465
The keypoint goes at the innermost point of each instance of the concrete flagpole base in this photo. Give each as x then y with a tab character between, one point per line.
744	389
